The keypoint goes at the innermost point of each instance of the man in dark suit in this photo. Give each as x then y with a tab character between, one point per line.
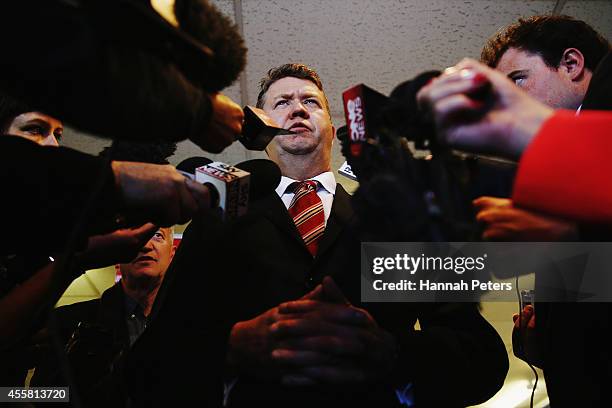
279	315
300	335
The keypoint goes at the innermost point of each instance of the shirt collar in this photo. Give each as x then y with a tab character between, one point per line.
326	180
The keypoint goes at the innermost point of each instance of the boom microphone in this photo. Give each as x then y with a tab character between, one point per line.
117	69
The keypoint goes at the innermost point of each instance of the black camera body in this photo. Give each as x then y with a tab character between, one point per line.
412	187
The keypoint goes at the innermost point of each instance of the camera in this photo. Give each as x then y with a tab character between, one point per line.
412	187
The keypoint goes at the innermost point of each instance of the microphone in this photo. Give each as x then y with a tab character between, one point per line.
130	65
367	112
229	186
258	129
359	120
347	171
188	166
379	142
265	177
233	186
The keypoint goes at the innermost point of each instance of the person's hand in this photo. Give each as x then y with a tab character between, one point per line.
158	194
504	222
119	246
251	343
502	122
225	125
524	342
310	341
326	340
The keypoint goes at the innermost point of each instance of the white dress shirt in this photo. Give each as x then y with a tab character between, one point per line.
325	191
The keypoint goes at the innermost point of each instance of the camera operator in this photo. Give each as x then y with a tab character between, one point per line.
519	127
554	59
568	338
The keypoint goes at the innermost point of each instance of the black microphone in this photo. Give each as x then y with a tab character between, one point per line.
265	177
129	65
188	166
259	129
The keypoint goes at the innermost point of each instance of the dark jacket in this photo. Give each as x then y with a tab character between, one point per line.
95	337
457	358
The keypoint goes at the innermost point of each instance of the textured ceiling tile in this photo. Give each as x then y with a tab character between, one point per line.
597	13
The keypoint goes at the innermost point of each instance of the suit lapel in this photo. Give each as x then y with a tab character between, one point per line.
275	211
111	313
341	214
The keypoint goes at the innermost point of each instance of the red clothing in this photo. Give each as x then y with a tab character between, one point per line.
567	168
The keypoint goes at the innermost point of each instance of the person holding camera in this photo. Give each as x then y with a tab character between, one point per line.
546	142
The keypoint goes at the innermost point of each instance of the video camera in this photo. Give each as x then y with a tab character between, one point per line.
412	187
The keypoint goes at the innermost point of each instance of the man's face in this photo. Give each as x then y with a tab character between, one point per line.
546	84
152	259
38	127
298	105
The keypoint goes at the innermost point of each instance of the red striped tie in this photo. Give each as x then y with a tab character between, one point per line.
306	209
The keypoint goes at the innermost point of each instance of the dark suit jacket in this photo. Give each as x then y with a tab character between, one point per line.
572	337
455	342
456	360
95	356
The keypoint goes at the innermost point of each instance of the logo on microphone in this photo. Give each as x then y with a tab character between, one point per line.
356	122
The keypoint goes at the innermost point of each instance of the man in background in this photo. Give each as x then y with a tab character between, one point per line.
552	58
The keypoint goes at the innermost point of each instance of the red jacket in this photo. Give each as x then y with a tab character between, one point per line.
567	168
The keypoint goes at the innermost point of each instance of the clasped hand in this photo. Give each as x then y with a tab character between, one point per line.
319	339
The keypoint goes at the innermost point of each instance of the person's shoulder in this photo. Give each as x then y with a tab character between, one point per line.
71	315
